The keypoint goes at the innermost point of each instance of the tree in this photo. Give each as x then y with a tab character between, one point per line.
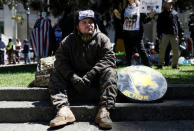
65	7
184	4
59	7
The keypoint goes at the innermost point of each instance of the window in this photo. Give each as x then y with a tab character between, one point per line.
1	27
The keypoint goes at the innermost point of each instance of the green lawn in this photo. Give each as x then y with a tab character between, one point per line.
17	76
185	75
23	76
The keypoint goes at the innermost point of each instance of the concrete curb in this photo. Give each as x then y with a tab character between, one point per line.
17	65
23	93
180	85
175	91
34	111
180	91
117	126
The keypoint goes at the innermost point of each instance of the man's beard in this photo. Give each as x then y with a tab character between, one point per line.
86	37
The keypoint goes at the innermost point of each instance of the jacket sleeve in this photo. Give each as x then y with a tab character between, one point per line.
159	25
145	18
106	57
3	44
122	16
10	46
63	59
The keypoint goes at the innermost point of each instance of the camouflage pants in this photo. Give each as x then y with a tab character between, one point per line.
106	83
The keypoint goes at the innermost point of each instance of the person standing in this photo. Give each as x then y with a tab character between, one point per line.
26	51
10	49
2	51
17	50
57	37
85	60
169	31
132	21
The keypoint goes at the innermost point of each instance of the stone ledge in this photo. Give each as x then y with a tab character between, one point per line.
17	65
33	111
177	125
175	91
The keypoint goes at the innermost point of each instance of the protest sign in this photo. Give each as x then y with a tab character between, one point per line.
147	6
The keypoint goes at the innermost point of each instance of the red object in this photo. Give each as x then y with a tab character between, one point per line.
189	44
41	37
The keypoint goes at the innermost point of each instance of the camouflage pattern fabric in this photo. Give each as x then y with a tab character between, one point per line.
108	88
106	83
42	78
42	75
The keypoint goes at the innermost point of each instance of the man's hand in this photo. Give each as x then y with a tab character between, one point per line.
77	81
152	14
86	81
117	14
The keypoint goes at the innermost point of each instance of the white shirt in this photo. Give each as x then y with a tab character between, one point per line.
18	45
131	18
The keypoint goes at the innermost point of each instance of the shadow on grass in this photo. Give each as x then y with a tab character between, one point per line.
185	80
18	69
187	71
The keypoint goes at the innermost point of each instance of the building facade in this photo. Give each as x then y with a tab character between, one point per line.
17	28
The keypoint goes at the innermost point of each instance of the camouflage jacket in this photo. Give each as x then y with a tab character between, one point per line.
76	56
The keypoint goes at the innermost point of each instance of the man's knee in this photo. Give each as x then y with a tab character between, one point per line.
109	80
109	72
58	89
57	81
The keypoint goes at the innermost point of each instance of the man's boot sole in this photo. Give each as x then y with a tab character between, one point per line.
102	125
62	123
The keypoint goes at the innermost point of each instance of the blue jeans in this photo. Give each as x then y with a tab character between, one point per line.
27	58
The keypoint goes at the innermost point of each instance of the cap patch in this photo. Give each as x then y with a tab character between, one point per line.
86	14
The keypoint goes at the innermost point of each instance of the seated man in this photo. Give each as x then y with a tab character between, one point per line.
84	60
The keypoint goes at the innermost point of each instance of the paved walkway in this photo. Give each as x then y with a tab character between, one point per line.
117	126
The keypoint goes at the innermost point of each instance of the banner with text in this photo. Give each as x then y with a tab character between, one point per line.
147	6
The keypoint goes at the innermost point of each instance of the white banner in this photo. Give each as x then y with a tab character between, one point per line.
147	6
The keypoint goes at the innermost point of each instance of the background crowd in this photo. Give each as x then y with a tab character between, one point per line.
170	42
128	23
15	51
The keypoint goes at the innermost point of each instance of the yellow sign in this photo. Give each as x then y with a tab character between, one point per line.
145	79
